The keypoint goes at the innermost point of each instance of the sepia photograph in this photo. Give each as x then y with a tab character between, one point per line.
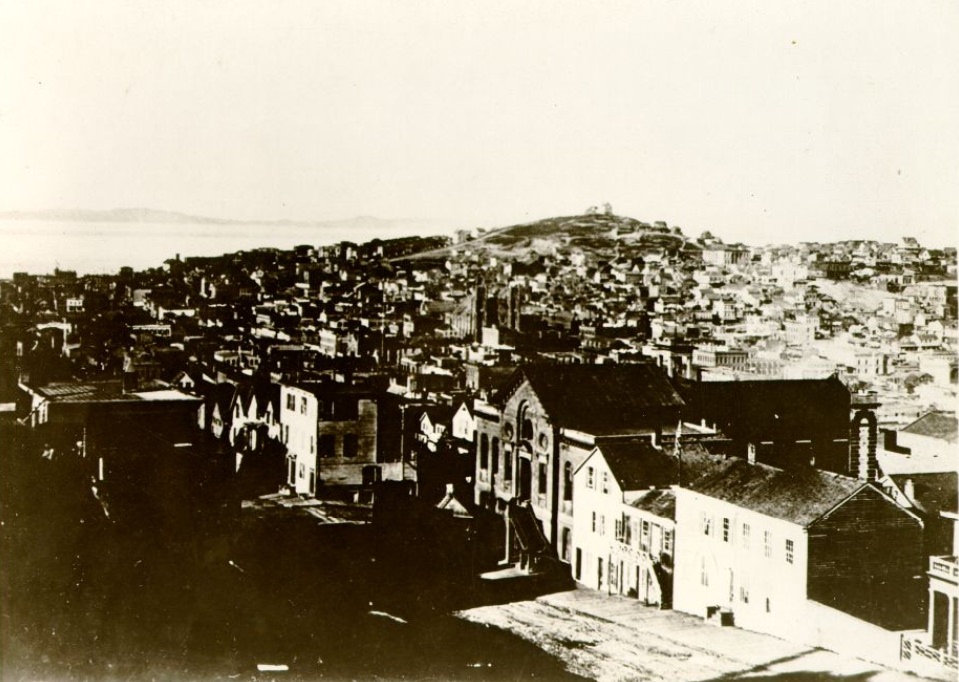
453	340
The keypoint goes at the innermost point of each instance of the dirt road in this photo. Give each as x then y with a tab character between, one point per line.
612	638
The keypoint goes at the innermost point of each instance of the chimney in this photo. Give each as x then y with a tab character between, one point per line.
909	490
130	382
863	434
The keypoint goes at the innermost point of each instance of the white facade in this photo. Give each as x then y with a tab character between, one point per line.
617	546
736	559
321	446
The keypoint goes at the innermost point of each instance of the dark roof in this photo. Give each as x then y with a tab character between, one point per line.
636	464
933	493
771	410
438	414
223	395
941	425
660	502
799	496
599	399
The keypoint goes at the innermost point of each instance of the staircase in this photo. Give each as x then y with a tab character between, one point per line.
533	545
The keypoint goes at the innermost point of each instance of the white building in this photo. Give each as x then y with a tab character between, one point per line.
330	432
805	555
623	523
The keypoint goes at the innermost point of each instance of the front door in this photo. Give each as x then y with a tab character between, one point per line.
525	478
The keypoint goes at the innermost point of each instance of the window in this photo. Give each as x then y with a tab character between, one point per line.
312	444
564	545
767	544
644	537
351	445
290	402
602	524
668	542
484	451
789	551
327	445
542	478
594	522
508	466
707	524
703	573
605	482
589	477
725	530
302	405
495	454
745	536
568	481
744	593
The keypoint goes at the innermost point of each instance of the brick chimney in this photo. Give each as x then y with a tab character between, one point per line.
863	436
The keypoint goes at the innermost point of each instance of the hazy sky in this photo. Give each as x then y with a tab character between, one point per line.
765	121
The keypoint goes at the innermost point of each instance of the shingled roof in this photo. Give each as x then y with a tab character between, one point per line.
637	464
941	425
799	496
659	502
599	399
932	493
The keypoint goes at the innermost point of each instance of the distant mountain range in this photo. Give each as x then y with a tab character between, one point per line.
152	216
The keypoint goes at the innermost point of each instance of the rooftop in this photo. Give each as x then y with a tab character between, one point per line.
799	496
598	399
106	391
940	425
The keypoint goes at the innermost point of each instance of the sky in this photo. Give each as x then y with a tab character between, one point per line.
762	122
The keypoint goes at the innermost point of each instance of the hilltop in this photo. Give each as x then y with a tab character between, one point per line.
590	232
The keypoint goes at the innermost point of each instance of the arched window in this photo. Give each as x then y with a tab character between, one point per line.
524	422
484	451
495	455
568	481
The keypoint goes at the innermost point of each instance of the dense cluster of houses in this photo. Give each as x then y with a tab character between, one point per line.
762	437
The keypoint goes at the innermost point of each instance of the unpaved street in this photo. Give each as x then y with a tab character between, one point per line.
612	638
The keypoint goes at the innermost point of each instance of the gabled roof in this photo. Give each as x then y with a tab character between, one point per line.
933	493
223	395
636	464
799	496
598	399
940	425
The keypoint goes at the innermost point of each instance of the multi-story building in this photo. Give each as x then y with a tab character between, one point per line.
623	528
546	420
330	432
799	553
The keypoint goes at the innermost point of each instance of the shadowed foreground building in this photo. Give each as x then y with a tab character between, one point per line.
111	424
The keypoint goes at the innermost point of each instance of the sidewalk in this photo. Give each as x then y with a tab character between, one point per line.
613	638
